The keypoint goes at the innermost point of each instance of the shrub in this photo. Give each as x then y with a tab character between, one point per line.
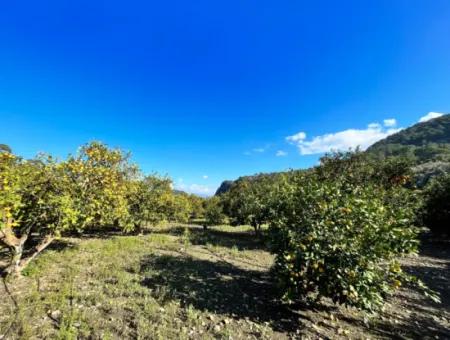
213	212
436	207
340	240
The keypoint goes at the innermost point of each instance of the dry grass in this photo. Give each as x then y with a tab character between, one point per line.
184	283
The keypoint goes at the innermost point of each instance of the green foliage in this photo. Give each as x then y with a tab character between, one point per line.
421	143
35	198
10	183
147	200
360	168
340	240
436	207
339	230
96	189
179	208
249	201
197	204
214	212
47	198
100	177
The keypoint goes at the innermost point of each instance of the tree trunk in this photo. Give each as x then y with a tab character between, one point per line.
15	244
37	250
138	230
16	257
205	227
255	226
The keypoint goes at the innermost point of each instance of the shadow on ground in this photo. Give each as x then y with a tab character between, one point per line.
425	319
242	240
218	287
435	269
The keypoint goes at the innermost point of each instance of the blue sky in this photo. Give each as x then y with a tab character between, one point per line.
205	91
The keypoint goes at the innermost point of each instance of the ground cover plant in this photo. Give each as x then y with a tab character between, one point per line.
170	284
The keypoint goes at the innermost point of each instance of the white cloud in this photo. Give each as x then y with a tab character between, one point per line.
259	150
430	115
205	176
298	137
198	189
391	122
342	140
281	153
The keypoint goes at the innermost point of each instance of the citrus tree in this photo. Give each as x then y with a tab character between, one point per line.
197	206
360	168
101	178
213	212
178	207
249	201
148	199
35	198
341	240
339	229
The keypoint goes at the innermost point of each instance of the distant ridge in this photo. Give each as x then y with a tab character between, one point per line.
421	143
426	145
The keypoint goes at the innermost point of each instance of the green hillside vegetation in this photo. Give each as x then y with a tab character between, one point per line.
421	143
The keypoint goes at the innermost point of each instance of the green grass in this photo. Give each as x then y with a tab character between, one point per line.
133	287
177	282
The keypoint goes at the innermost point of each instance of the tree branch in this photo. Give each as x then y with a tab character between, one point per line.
37	250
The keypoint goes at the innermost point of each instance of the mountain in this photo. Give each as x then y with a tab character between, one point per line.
421	143
426	145
224	187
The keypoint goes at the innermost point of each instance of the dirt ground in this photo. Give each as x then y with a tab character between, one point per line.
181	282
